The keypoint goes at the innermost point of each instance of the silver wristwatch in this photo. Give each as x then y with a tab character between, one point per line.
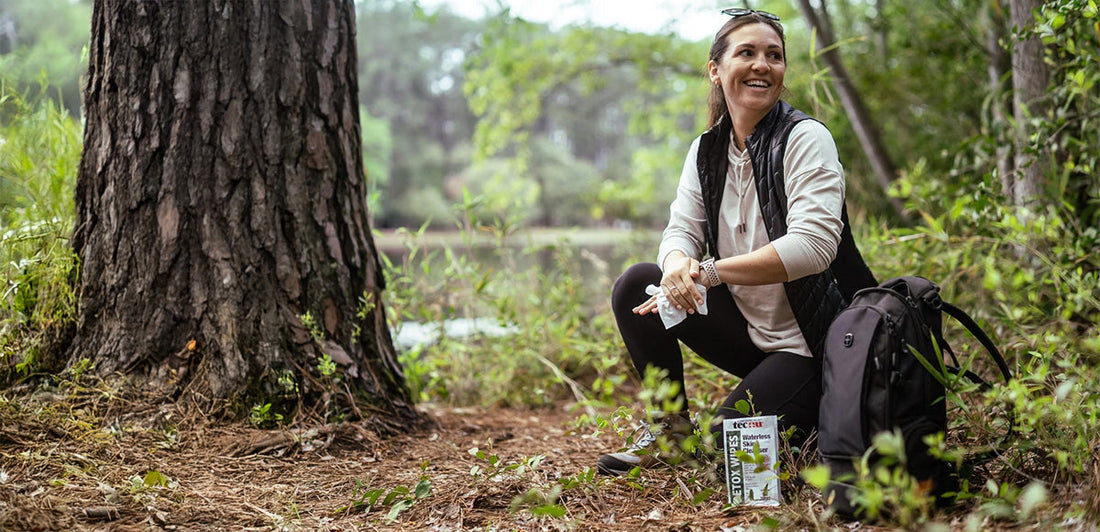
708	269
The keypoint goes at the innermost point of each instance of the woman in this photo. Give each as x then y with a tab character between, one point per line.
761	192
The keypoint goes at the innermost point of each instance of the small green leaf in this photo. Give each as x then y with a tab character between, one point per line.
390	498
702	496
991	485
396	510
744	456
423	488
889	444
1034	495
482	283
373	495
553	510
742	406
155	478
396	495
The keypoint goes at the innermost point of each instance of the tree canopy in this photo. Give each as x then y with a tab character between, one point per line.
509	107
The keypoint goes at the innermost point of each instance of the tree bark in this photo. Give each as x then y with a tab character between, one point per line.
866	131
1030	78
221	197
999	65
882	34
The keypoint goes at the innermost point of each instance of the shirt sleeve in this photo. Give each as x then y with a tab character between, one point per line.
815	198
687	218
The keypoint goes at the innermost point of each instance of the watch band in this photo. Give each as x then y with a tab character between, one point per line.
710	271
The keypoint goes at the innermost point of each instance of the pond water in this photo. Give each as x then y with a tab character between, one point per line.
413	334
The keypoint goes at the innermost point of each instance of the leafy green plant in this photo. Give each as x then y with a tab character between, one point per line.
491	465
262	415
1012	503
398	499
617	421
540	502
883	489
326	366
586	479
151	480
79	368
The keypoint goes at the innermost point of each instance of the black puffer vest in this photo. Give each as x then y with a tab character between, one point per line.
815	299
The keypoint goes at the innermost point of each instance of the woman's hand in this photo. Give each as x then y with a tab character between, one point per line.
681	273
650	305
678	282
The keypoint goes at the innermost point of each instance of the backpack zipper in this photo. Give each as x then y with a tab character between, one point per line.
885	367
915	314
889	370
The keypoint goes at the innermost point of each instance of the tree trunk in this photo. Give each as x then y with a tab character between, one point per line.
882	34
999	64
866	130
1030	78
221	197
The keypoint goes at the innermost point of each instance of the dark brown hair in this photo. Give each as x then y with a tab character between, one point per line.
716	100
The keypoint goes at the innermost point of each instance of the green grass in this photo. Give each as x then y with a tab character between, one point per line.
39	156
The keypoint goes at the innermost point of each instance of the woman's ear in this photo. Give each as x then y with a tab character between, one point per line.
712	71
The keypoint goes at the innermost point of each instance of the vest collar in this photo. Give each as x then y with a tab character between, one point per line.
763	129
766	127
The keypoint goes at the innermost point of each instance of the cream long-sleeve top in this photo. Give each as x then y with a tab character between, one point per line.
814	183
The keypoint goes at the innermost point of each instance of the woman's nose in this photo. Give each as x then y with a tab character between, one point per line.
760	64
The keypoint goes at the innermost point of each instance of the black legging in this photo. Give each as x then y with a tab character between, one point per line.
784	384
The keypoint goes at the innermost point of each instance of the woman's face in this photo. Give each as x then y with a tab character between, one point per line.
751	70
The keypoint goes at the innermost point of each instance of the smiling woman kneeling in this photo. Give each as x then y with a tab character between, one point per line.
761	194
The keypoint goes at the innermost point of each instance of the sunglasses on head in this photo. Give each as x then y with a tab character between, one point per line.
741	11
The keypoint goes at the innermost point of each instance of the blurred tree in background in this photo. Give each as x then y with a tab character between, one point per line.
43	40
410	87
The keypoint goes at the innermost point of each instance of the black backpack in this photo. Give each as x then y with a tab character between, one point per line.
872	382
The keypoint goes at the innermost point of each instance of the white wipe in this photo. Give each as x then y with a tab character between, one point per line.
670	315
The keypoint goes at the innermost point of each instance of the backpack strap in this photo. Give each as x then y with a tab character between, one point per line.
972	326
983	338
973	377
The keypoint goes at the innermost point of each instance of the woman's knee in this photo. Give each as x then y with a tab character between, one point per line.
629	288
783	384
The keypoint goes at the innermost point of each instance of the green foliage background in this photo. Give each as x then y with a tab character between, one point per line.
494	125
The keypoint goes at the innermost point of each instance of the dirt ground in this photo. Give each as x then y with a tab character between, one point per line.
63	467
